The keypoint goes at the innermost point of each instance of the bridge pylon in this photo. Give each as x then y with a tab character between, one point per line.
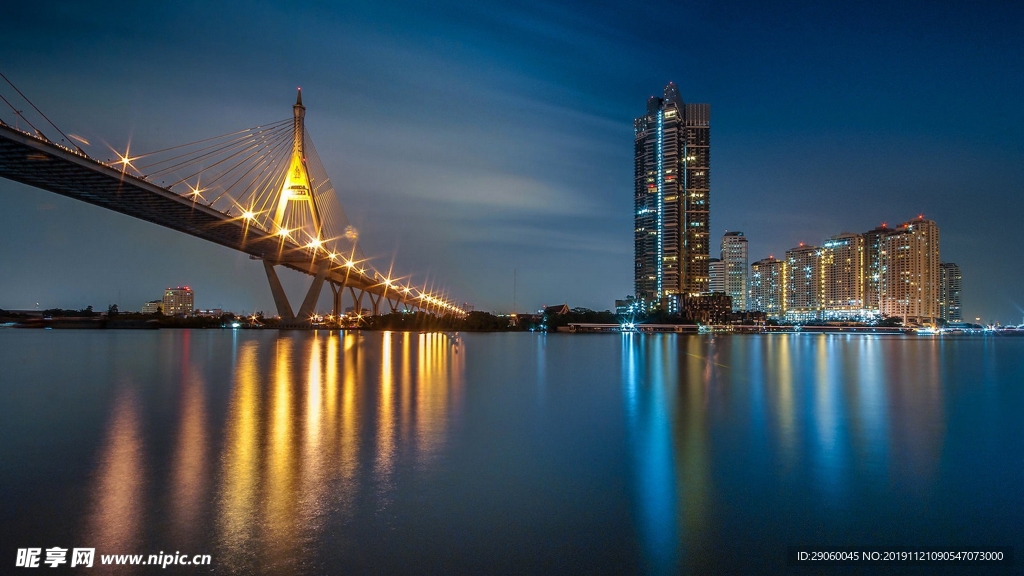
289	220
298	187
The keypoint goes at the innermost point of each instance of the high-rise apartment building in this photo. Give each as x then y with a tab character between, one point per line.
178	301
767	291
803	283
873	244
716	275
910	272
736	265
842	277
671	198
949	292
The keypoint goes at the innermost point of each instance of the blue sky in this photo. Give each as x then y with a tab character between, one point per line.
467	139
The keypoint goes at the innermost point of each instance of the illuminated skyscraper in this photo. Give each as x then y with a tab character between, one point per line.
671	198
873	242
803	283
842	276
716	275
767	292
949	292
178	301
910	272
735	264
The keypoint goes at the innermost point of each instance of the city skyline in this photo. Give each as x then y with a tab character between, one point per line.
546	194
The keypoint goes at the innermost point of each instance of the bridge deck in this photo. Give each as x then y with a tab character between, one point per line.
34	162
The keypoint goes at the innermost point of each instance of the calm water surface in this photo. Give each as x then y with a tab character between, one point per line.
315	453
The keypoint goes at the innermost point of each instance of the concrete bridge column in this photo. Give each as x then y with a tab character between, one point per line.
374	304
338	290
284	309
357	301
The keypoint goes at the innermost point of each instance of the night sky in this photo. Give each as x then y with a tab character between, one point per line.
467	140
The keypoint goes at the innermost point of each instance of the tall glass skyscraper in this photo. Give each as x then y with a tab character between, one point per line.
734	257
671	198
949	292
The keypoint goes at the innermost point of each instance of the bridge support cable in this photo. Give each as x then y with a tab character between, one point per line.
40	112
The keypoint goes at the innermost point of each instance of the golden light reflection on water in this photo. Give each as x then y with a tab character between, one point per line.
296	444
348	461
280	499
438	390
116	519
385	412
241	454
314	472
190	460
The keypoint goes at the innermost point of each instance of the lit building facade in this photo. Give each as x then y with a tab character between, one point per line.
178	301
949	292
767	288
842	278
735	266
910	272
707	309
803	283
152	307
671	198
873	246
716	275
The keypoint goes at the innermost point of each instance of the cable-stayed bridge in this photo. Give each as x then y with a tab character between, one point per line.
262	191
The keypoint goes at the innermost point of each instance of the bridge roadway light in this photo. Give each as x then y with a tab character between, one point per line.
125	160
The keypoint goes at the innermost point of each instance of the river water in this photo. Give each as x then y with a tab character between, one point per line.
376	452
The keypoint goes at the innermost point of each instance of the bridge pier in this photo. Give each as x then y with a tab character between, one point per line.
338	290
357	301
374	304
284	309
